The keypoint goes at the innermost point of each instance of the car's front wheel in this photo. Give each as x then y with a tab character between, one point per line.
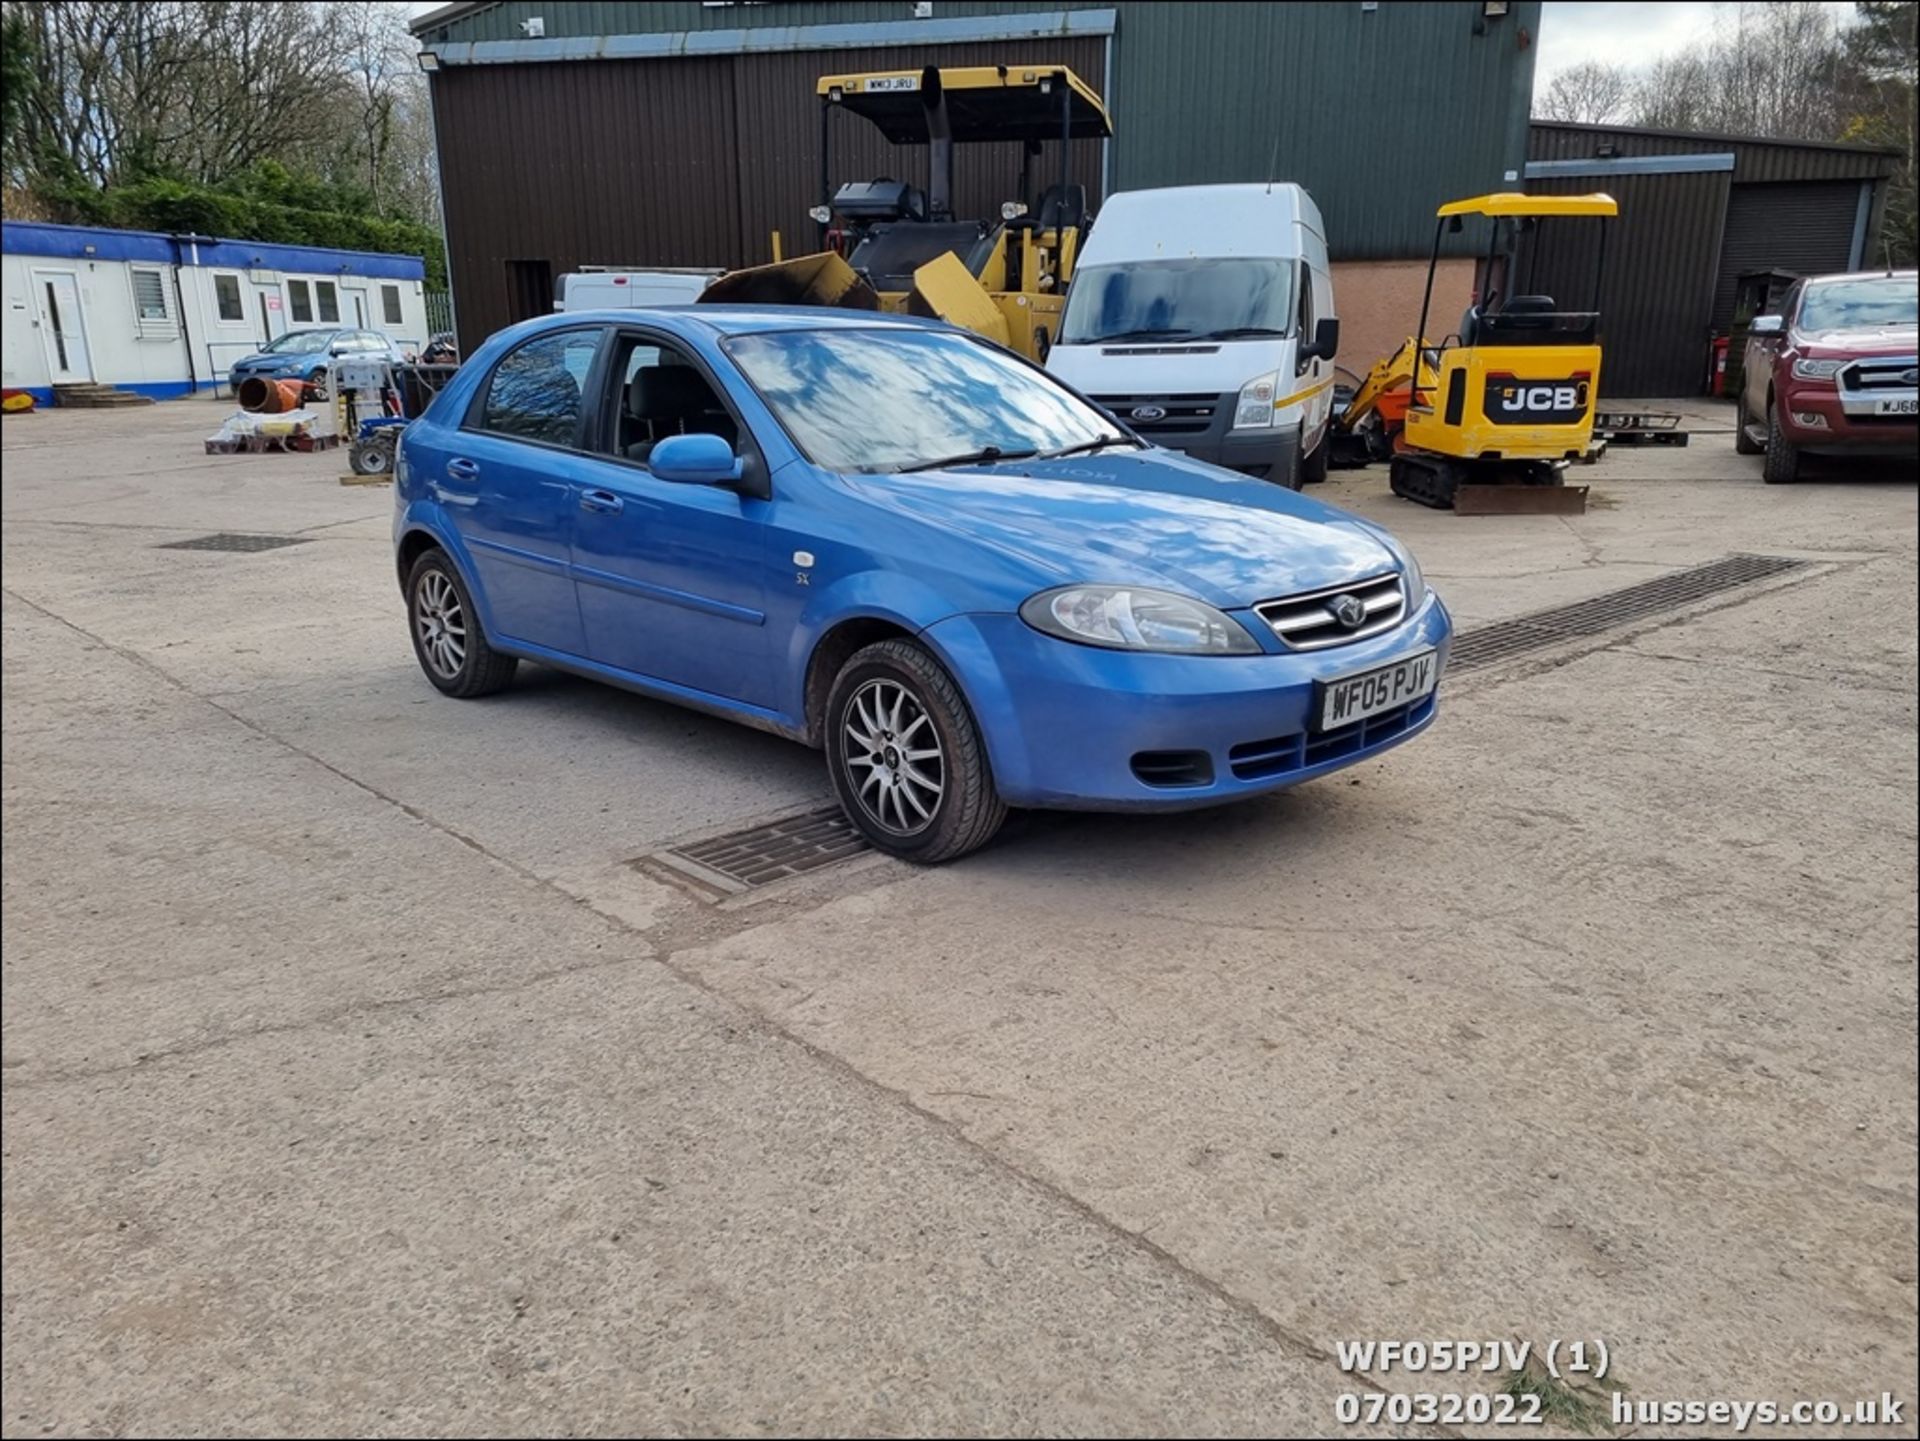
1782	465
908	763
447	639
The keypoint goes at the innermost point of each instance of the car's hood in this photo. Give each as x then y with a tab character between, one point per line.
1867	340
261	363
1149	518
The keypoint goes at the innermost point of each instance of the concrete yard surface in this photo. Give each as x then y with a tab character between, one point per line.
363	1076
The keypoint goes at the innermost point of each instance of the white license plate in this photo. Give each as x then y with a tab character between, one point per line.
1355	697
1897	405
894	82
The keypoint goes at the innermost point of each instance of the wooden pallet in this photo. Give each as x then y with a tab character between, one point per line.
268	444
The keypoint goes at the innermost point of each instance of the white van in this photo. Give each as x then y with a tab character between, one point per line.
1202	316
624	289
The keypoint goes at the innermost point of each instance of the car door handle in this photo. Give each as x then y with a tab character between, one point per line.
601	502
460	468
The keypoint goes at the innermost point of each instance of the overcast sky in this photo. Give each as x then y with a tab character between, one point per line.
1622	32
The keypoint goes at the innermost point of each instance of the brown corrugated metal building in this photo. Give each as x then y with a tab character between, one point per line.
680	133
1697	212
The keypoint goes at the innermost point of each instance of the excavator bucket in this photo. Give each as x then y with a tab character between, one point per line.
823	279
944	289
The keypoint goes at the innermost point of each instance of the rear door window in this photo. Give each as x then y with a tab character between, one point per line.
537	391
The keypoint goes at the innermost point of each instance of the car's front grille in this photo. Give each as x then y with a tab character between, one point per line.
1263	760
1177	414
1886	372
1337	614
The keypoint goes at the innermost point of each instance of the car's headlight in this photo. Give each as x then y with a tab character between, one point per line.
1416	580
1255	407
1124	617
1804	369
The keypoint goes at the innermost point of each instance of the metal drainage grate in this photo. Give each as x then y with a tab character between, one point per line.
759	855
1490	644
229	540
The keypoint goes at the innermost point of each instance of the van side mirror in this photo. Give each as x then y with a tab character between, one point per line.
1326	340
695	460
1767	325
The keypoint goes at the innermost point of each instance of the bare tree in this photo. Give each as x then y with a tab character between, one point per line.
195	89
379	75
1590	93
1770	69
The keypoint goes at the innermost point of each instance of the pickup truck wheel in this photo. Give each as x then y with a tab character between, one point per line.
447	639
1782	465
907	761
1743	442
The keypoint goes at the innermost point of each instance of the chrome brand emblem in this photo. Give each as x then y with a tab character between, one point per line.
1348	610
1147	412
1911	377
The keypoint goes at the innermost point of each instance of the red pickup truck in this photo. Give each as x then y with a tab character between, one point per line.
1834	373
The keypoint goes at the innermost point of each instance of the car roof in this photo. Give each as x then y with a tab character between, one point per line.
747	319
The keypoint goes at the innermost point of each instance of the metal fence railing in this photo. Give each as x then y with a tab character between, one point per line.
439	311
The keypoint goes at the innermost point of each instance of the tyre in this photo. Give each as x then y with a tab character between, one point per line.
907	761
372	457
1289	474
1782	465
1313	470
1743	444
447	638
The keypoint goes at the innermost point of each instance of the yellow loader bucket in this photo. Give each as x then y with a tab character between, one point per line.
823	279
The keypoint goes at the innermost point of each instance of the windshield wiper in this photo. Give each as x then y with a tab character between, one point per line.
986	455
1137	335
1240	332
1086	447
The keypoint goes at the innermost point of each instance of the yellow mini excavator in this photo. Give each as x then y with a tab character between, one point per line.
905	249
1485	420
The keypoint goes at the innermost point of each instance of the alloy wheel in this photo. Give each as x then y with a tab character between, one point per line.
893	757
441	623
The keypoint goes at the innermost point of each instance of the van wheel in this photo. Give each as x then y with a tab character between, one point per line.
1313	470
1782	465
1743	441
907	761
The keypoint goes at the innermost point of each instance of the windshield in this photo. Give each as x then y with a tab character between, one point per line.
883	400
1178	300
299	342
1859	304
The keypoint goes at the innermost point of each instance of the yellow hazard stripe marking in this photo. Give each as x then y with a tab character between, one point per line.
1299	395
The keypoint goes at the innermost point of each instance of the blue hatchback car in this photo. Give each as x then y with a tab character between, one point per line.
893	541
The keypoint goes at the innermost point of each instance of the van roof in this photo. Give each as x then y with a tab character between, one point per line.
1208	220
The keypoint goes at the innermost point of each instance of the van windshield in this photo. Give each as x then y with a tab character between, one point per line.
1187	299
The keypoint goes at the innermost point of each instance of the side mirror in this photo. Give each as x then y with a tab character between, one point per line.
695	460
1326	340
1767	325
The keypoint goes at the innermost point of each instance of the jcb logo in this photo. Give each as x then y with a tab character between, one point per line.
1512	401
1539	397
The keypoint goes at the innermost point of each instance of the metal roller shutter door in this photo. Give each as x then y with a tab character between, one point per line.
1805	227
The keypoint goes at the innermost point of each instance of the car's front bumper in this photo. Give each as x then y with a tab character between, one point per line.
1836	420
1064	723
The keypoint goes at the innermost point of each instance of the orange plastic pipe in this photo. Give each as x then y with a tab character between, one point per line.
262	396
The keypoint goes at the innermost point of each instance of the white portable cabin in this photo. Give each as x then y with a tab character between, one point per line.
167	315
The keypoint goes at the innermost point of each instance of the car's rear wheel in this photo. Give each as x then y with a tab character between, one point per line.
1782	465
1743	441
447	639
908	763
